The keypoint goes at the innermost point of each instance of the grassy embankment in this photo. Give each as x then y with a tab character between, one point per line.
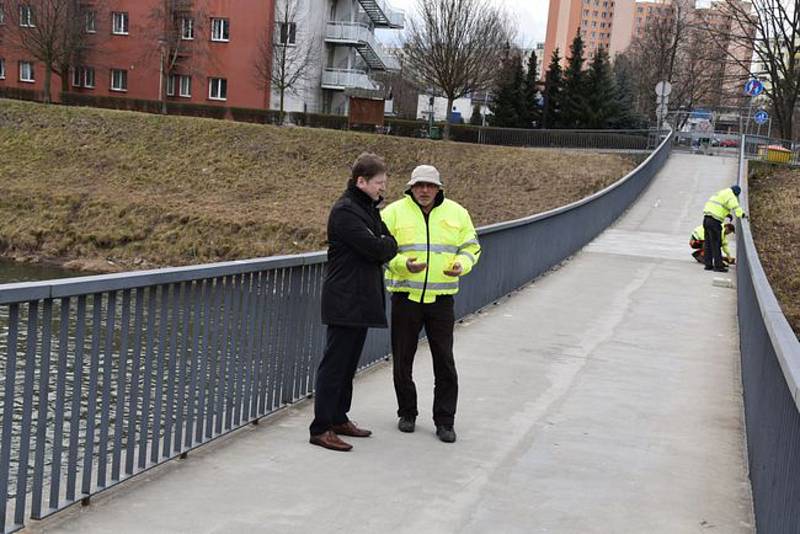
775	209
141	190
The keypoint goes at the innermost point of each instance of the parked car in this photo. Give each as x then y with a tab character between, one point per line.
729	143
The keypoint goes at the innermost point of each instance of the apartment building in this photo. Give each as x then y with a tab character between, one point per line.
606	23
209	51
343	32
197	51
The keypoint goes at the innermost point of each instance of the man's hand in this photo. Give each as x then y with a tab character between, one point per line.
414	267
455	270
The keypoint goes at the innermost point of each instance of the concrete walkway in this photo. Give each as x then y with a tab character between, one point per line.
603	398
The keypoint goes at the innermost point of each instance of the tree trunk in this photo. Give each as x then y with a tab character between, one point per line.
280	112
48	77
446	134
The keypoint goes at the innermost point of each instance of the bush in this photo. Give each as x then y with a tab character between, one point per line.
318	120
406	128
259	116
111	102
197	110
21	94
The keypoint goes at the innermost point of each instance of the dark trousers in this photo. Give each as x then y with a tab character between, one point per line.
438	319
334	386
712	245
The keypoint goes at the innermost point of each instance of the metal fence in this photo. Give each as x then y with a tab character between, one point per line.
631	140
769	149
104	377
770	355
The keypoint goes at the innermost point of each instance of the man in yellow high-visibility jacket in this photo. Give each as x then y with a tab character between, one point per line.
718	207
697	240
437	244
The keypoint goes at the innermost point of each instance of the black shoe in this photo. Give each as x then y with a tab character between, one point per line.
446	433
406	424
709	268
720	269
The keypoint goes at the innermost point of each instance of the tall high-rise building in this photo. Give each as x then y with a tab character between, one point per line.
606	23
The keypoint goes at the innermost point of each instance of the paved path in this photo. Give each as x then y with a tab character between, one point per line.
603	398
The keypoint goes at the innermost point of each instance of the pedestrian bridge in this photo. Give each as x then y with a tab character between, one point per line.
604	397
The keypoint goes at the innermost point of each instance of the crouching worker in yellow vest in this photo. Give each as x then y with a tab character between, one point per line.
717	208
437	244
697	242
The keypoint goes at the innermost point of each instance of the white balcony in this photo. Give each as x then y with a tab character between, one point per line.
341	79
361	36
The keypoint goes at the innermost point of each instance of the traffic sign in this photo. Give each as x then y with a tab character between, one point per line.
761	117
753	87
663	88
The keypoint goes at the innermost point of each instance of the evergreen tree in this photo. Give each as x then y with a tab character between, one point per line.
533	112
602	104
553	86
575	90
507	108
476	119
627	116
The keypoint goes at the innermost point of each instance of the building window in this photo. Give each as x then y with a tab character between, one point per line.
90	20
182	83
584	22
287	33
2	69
220	30
585	12
119	80
187	28
185	86
26	72
595	13
217	88
640	10
83	77
594	24
26	16
119	23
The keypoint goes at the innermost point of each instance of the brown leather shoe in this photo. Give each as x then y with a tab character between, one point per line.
350	429
331	441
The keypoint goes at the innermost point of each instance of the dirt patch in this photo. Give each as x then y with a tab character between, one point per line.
143	190
775	207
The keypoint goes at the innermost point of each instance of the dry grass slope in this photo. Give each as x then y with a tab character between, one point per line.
775	207
148	190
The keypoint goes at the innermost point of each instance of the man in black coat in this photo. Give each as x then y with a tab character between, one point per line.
353	298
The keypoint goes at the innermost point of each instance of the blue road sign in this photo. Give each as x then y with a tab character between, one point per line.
753	87
761	117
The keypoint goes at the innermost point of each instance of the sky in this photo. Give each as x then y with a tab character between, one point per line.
530	17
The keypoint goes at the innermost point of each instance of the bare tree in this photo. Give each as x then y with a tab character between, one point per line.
57	33
178	32
454	47
771	30
675	49
287	57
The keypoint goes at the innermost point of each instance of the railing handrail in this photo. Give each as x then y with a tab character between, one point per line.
66	287
496	227
781	334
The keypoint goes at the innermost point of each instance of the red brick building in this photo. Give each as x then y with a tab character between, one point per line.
209	49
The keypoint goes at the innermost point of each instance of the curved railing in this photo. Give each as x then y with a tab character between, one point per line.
771	379
112	375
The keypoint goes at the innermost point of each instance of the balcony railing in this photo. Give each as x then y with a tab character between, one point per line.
383	15
361	36
341	79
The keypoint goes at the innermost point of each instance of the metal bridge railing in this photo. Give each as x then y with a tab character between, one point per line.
104	377
635	140
770	354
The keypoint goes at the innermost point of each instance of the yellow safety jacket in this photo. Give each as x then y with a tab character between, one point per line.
699	234
442	238
722	204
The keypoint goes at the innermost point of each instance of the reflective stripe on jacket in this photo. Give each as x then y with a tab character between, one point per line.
699	234
721	204
446	237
